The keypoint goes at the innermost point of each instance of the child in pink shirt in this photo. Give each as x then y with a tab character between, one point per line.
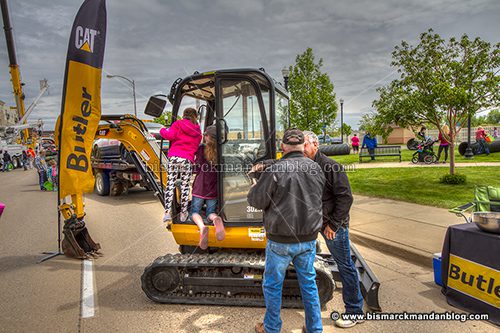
185	137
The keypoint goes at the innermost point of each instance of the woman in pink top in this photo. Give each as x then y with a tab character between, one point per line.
443	143
185	137
355	144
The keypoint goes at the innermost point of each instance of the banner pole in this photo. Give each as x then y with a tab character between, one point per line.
50	255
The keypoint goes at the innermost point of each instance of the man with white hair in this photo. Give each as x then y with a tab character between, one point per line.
337	201
289	192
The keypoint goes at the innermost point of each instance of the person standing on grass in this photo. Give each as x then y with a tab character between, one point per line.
337	201
289	192
355	144
443	143
495	133
422	135
370	143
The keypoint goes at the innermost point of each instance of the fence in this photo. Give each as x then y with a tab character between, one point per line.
462	136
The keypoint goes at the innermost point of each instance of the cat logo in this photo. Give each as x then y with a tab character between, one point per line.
84	39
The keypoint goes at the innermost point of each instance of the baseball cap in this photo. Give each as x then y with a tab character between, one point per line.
293	136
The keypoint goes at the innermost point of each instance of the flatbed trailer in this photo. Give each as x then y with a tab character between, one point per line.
115	176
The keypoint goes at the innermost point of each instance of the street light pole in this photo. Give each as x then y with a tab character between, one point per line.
341	120
468	152
286	74
132	82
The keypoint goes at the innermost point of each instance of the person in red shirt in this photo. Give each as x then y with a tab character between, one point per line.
481	140
355	144
31	157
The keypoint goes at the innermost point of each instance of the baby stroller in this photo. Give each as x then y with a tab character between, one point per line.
425	153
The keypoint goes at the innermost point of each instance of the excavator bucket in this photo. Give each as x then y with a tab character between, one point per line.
77	242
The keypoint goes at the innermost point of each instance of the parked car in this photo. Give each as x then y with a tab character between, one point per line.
328	140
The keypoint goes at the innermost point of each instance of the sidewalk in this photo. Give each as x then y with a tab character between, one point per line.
406	230
404	164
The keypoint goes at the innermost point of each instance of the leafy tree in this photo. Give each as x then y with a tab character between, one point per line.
312	101
493	117
441	82
164	118
347	129
477	121
374	123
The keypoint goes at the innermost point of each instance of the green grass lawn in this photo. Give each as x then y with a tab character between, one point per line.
406	156
421	185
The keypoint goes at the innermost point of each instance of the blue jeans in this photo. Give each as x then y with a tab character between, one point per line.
371	151
42	178
341	253
197	204
278	257
483	146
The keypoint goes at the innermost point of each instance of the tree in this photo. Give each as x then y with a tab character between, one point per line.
441	83
374	123
346	129
164	118
312	102
493	117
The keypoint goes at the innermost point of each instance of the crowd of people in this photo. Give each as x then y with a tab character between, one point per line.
31	159
312	197
482	138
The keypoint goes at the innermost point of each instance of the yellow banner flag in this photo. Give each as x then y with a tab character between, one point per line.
81	104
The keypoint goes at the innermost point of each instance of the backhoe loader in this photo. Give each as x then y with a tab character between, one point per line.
250	111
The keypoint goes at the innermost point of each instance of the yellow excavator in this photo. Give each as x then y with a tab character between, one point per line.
250	112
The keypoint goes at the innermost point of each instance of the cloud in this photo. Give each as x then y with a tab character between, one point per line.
154	42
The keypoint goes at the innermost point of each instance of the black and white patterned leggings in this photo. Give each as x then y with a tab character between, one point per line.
178	168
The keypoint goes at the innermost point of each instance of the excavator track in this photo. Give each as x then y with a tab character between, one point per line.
223	278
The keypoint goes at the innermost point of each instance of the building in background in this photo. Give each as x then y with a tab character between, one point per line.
399	135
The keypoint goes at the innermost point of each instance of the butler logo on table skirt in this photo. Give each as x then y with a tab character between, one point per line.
475	280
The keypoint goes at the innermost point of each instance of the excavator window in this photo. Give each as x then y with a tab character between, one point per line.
243	111
282	118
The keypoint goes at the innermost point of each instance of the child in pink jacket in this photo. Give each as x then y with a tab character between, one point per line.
185	137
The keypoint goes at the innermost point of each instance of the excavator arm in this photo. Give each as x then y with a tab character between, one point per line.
145	152
149	161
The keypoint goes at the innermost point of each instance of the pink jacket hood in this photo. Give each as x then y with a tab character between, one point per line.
184	137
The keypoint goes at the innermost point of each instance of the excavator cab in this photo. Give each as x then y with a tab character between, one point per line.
250	113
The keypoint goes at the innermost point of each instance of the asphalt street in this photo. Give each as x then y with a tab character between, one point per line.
46	297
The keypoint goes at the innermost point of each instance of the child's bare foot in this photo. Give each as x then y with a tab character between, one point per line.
220	232
203	238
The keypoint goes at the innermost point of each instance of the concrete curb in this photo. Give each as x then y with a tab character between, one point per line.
416	256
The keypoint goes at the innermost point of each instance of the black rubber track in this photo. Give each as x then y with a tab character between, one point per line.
177	294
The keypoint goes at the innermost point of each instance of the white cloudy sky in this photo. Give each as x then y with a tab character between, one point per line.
154	42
